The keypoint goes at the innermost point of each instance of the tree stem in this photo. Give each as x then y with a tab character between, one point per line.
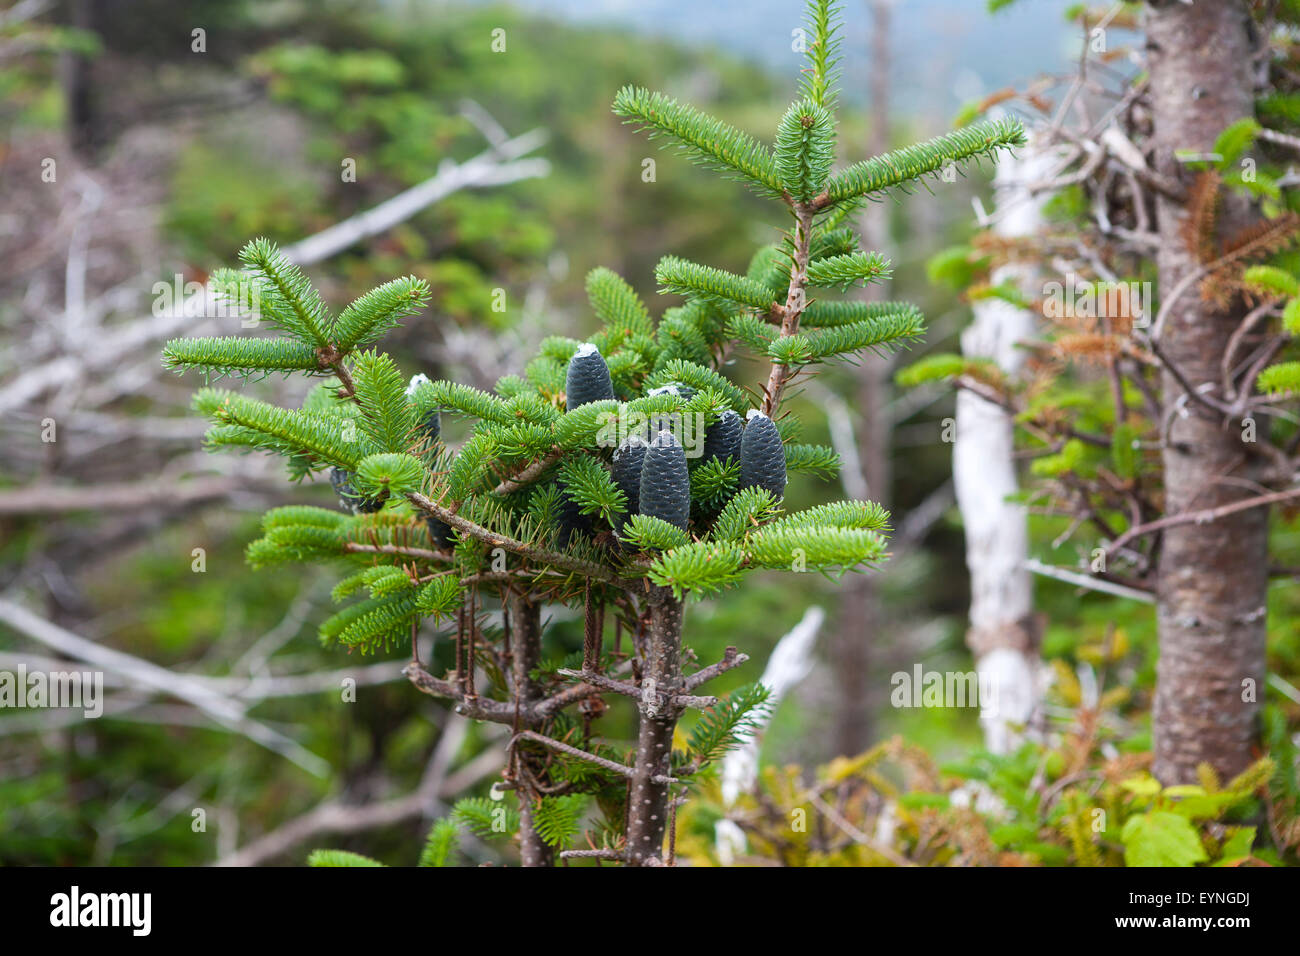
795	302
526	646
661	680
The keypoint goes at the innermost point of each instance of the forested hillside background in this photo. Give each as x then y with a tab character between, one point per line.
169	159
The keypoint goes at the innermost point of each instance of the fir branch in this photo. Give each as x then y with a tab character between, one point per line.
441	843
378	312
682	277
818	81
240	355
819	459
316	435
380	390
846	270
293	299
724	727
617	305
912	162
495	540
591	488
707	140
700	568
805	149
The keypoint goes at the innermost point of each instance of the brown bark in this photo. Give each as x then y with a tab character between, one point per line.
80	109
526	650
1212	576
647	808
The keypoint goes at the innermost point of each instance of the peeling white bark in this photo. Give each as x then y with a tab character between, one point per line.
791	661
1002	630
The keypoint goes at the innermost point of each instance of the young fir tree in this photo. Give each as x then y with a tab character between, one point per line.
625	475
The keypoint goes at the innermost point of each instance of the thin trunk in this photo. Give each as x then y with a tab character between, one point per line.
78	84
647	808
526	650
1212	577
1003	633
860	606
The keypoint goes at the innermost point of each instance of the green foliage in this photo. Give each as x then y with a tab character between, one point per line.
690	278
913	162
805	149
651	533
441	843
749	509
725	726
817	82
559	819
706	140
617	305
1160	838
932	368
591	488
378	312
391	474
339	858
489	819
240	356
699	569
844	271
283	294
818	459
533	479
1279	378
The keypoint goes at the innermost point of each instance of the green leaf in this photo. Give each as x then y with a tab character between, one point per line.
1160	838
1237	846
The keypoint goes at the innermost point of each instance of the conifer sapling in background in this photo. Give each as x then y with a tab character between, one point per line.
618	474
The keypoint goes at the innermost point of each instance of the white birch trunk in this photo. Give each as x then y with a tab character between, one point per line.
1003	632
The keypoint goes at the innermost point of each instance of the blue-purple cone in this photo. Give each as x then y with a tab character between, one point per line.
626	471
588	378
762	456
665	482
722	438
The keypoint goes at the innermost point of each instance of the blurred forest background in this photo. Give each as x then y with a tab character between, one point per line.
169	158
